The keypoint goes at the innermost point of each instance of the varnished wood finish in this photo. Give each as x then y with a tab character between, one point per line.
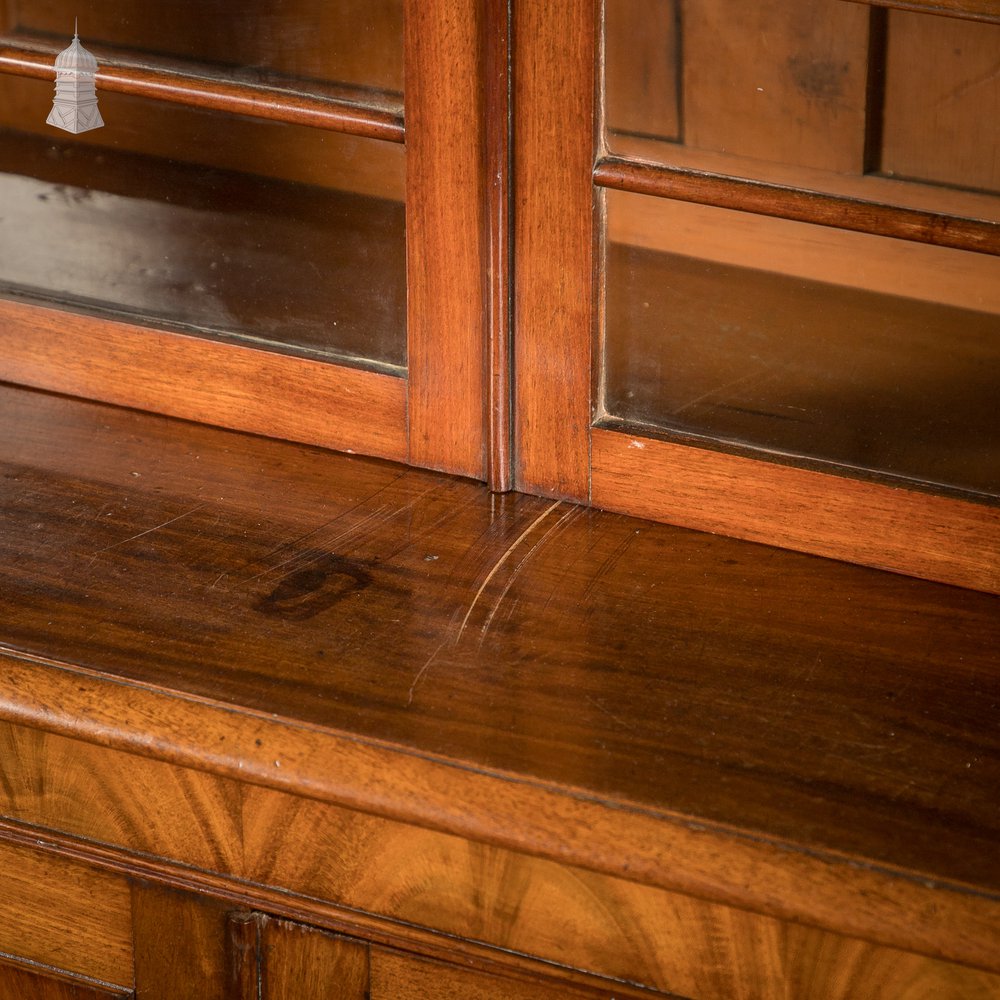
197	379
341	109
303	963
24	982
946	539
445	214
65	915
395	975
180	946
496	234
977	10
243	955
764	198
554	111
837	805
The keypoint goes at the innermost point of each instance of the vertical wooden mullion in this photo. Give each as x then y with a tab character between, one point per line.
445	200
497	237
554	48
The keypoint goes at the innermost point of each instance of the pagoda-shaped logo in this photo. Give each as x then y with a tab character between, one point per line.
75	107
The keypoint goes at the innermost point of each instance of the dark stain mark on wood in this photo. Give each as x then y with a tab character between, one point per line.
304	593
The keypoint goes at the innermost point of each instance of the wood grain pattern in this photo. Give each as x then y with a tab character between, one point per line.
113	798
394	975
977	10
776	81
29	983
553	244
445	215
198	379
932	119
180	945
764	198
858	741
945	539
65	915
303	963
340	109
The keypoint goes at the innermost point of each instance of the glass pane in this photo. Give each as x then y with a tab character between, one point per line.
284	236
799	340
353	42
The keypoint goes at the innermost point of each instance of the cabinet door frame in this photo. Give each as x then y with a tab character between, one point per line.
565	447
435	416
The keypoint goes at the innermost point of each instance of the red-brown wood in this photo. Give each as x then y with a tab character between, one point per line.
342	109
945	539
765	198
794	736
445	213
496	234
28	982
554	109
185	376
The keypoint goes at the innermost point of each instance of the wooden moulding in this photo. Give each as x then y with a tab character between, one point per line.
976	10
650	847
919	534
349	110
307	401
764	198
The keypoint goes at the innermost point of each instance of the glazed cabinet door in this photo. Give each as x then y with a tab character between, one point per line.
272	224
758	263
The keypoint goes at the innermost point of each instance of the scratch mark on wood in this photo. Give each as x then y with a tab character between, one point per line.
423	670
517	569
499	563
614	718
148	531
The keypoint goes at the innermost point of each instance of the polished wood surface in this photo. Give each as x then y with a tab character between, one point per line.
977	10
807	715
445	215
64	915
746	195
553	57
28	983
353	110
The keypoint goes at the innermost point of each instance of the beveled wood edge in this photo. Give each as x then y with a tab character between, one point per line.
797	205
66	976
351	111
975	10
936	538
909	910
282	904
179	375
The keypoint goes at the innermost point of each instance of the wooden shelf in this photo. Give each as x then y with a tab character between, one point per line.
798	738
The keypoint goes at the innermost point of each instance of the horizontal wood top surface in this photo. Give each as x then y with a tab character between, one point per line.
635	667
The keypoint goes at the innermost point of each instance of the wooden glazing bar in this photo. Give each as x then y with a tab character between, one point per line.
342	109
976	10
497	252
763	198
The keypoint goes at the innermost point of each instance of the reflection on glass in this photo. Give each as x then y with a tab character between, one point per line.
798	340
287	237
353	42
